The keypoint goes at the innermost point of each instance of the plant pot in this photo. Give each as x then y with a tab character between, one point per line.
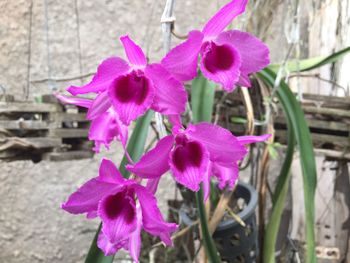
234	242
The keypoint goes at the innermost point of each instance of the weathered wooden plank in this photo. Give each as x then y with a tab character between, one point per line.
327	101
44	142
327	111
319	140
28	107
79	117
69	133
308	100
29	142
312	122
24	125
66	156
320	124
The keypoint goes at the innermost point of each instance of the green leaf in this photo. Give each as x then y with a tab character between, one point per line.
311	63
238	120
137	141
135	148
202	99
209	244
298	124
279	197
202	102
272	151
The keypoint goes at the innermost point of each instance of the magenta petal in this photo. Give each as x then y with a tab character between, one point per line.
105	128
107	247
91	215
224	17
109	173
206	183
221	64
170	95
107	71
253	139
131	96
227	175
87	197
99	106
223	147
133	52
86	103
152	185
244	80
182	60
152	218
175	120
254	53
118	214
189	162
155	162
135	237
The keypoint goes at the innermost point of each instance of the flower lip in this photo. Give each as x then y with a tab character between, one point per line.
133	87
187	154
217	57
131	95
114	205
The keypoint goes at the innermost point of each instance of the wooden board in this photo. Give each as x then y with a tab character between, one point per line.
24	125
69	133
47	130
28	107
66	156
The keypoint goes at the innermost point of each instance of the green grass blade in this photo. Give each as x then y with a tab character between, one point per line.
279	198
202	99
208	242
135	148
311	63
137	141
293	110
202	102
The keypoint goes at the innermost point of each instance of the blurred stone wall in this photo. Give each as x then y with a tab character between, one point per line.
78	35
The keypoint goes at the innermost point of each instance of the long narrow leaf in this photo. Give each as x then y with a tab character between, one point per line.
137	141
135	148
293	109
202	101
279	198
209	244
311	63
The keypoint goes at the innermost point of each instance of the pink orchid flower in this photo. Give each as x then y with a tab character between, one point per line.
105	127
133	88
195	154
113	199
226	57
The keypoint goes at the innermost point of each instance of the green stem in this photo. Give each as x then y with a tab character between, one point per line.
279	198
209	244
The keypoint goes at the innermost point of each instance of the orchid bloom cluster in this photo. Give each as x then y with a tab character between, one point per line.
194	154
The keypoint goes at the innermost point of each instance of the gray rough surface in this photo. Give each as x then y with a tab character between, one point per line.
33	228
